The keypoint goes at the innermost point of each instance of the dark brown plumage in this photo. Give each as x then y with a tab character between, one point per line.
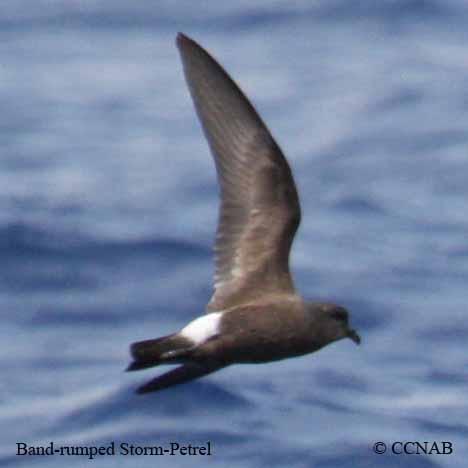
255	314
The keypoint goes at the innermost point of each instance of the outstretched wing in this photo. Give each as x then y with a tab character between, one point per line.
259	212
177	376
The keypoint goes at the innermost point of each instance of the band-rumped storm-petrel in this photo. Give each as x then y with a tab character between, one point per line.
255	314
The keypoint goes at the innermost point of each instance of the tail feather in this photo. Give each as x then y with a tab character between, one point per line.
139	365
150	353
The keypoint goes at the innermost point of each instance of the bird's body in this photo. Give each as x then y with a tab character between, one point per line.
255	314
264	332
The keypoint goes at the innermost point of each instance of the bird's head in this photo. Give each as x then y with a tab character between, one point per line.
335	322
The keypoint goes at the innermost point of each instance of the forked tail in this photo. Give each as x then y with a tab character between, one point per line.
167	349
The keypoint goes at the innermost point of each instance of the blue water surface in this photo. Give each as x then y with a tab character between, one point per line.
108	207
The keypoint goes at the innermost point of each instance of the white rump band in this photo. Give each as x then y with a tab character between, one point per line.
202	328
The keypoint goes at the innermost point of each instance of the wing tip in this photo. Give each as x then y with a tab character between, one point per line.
177	376
143	389
182	40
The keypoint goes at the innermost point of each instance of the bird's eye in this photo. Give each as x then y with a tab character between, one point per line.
340	315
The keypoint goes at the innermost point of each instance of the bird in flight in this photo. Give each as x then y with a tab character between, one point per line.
255	314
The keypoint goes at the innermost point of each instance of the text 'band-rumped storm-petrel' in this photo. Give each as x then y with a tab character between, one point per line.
255	314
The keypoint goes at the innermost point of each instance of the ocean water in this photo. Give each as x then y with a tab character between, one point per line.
108	207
